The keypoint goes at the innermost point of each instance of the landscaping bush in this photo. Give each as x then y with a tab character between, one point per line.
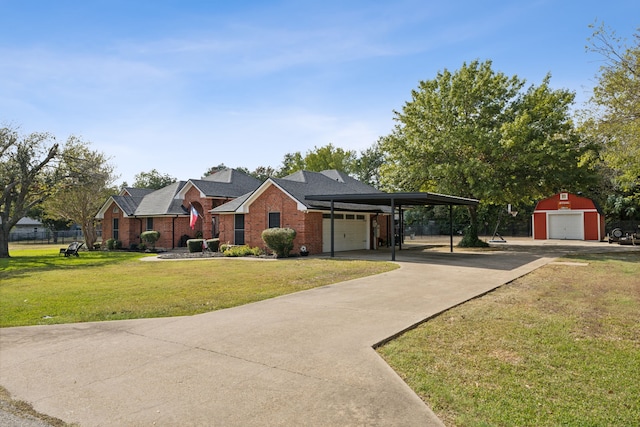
150	238
195	245
239	251
213	244
279	240
114	244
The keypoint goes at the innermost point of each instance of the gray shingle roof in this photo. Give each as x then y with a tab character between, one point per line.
162	202
136	192
227	183
304	183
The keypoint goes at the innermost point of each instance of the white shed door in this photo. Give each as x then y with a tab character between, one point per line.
566	226
350	234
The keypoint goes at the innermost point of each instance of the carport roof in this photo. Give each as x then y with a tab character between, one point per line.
396	199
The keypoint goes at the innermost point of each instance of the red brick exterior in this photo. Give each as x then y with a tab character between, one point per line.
308	225
171	228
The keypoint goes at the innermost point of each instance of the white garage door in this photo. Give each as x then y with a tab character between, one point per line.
566	226
350	232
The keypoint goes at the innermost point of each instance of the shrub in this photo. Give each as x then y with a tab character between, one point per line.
279	240
239	251
150	238
195	245
114	244
213	244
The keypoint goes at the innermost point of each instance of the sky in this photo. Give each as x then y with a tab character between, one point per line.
181	86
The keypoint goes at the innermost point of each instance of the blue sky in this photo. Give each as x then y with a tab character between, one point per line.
181	86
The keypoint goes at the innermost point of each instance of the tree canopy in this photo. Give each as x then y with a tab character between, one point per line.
319	159
153	180
85	181
478	133
27	176
614	117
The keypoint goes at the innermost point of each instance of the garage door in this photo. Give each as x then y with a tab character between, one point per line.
566	226
350	232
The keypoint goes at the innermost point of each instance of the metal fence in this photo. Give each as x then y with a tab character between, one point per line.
46	236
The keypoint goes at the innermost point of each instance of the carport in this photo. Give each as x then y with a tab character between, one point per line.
396	201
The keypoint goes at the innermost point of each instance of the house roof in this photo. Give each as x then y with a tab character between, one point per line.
136	192
168	200
303	184
227	183
162	202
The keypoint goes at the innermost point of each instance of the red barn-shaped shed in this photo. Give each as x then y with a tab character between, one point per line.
569	217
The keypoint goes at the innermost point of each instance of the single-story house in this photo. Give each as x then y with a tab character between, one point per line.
284	202
568	216
169	210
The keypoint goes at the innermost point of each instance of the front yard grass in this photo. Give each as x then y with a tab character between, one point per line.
560	346
39	287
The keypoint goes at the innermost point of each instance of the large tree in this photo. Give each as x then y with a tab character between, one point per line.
85	181
153	180
478	133
319	159
614	116
27	165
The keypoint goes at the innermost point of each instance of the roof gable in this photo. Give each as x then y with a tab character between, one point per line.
162	201
305	183
224	184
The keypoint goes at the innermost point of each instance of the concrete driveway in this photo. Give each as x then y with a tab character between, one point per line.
301	359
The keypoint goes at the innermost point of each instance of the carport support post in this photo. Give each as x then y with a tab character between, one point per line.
332	231
393	230
450	228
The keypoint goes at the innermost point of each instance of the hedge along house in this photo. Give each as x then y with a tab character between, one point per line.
284	202
567	216
168	210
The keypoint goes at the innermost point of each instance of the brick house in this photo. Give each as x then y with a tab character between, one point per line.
167	210
282	202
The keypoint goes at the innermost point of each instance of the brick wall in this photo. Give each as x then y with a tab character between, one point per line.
308	225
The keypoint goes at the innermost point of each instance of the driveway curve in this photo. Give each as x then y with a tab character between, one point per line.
300	359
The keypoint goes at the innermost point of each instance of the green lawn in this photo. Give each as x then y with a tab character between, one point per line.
37	286
560	346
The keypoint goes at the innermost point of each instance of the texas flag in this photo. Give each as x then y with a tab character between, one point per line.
193	217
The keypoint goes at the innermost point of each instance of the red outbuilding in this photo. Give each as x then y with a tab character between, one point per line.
569	217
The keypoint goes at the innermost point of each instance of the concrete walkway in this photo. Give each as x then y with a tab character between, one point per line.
301	359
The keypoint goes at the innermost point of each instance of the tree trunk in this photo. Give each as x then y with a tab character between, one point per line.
4	241
470	238
90	235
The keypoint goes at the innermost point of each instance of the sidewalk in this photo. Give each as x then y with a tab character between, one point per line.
301	359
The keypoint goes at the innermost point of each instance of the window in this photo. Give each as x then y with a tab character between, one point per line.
239	229
149	224
274	219
349	216
116	210
114	232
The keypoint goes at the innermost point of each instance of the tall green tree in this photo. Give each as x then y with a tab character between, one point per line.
27	165
319	159
367	166
614	116
85	181
261	173
153	180
478	133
